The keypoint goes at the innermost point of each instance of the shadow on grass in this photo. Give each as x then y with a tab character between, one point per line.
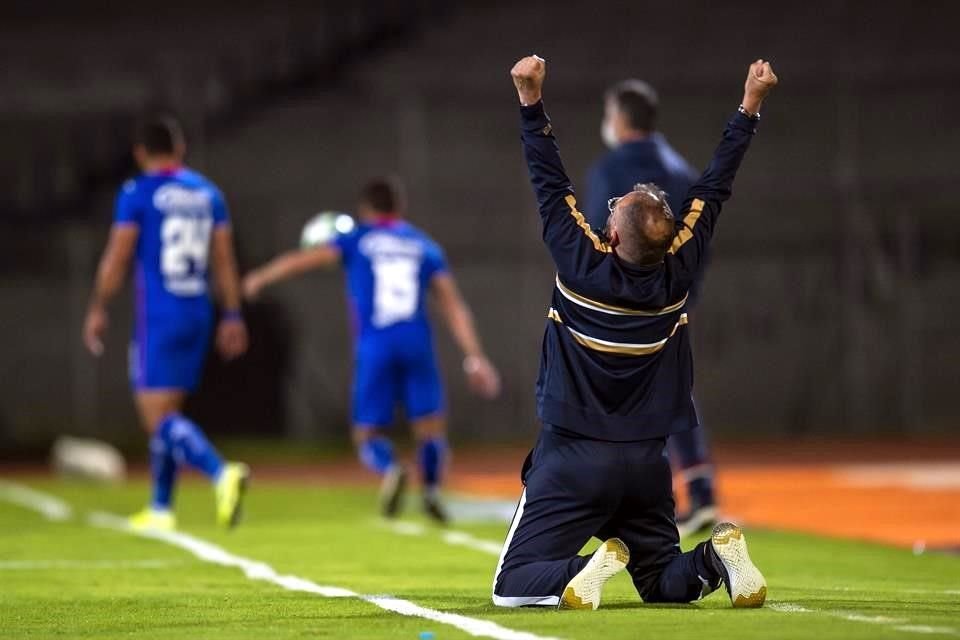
474	608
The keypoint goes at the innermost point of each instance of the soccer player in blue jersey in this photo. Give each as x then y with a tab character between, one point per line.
391	266
172	224
640	154
616	379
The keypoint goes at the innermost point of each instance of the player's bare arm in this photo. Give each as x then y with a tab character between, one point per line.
111	274
481	374
289	265
232	339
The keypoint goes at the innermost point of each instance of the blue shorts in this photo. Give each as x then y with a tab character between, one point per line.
169	355
388	373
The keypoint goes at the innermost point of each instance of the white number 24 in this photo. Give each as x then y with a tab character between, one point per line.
186	243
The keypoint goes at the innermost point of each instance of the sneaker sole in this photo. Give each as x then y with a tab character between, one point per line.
745	584
237	514
583	592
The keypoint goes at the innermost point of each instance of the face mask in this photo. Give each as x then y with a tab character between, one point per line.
608	135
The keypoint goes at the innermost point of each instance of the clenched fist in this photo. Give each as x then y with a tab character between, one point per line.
760	80
528	75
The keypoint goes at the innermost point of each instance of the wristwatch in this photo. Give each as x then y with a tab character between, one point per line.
753	116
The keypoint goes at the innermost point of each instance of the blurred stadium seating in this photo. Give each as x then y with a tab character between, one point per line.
828	306
78	75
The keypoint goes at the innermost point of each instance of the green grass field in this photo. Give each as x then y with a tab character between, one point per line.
68	578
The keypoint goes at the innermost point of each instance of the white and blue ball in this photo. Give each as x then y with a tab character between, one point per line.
322	228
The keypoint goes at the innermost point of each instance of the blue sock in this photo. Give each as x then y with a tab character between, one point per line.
163	471
377	454
432	454
188	445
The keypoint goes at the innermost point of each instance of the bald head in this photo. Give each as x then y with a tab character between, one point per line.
641	225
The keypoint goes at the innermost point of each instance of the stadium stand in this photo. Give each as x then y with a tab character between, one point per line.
826	267
73	84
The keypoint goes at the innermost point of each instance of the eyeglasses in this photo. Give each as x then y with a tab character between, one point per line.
612	203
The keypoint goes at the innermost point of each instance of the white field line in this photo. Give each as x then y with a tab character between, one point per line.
255	570
55	509
944	592
34	565
899	624
46	505
922	628
450	536
464	539
461	538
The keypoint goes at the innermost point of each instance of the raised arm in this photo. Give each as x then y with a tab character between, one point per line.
573	245
287	265
706	197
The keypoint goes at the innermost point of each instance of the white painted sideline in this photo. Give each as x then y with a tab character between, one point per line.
255	570
55	509
450	536
464	539
46	505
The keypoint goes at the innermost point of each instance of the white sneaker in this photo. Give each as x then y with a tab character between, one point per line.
229	491
152	520
583	592
744	582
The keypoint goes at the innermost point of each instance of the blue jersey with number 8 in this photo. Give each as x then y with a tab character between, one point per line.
389	266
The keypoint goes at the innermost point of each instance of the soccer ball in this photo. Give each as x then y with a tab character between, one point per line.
88	459
324	227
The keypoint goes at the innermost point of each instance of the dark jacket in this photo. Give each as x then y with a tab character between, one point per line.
616	362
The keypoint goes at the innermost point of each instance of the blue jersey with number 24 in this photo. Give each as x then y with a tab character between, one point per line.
176	211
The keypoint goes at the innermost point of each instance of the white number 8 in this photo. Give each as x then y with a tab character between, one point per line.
396	291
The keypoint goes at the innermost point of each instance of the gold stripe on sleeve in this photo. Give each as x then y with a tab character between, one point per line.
598	244
689	222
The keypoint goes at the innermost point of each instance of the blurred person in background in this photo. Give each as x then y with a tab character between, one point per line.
640	154
390	266
172	225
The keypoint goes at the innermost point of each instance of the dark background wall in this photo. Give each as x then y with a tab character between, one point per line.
829	305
